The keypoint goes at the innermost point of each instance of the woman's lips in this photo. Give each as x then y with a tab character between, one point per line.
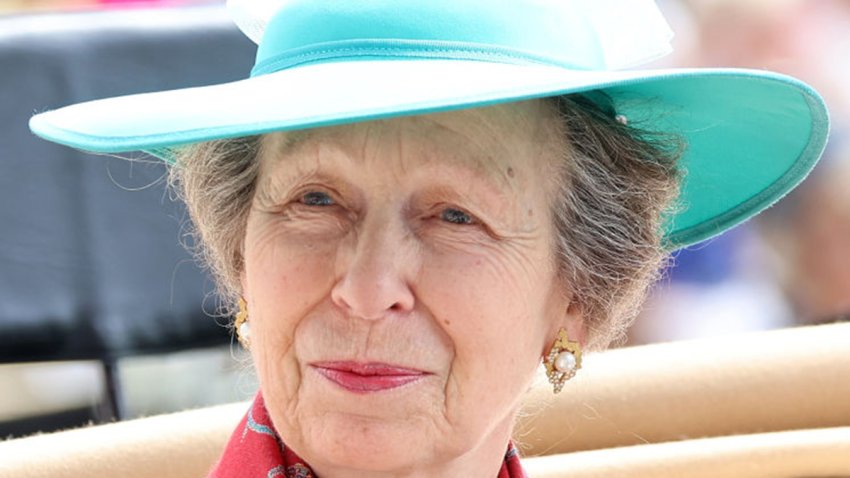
361	377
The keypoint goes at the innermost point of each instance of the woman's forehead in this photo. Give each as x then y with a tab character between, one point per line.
494	137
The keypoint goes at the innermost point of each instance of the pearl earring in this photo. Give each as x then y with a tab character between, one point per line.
563	361
243	329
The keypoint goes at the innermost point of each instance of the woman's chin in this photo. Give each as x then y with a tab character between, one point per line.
374	444
352	423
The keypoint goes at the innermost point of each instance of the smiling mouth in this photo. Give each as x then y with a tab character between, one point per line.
370	377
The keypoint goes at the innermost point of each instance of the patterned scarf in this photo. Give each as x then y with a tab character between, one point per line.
255	450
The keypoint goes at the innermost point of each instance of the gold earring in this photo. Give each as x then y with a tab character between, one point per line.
243	329
563	361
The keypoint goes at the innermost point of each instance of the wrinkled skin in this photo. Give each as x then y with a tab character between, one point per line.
424	242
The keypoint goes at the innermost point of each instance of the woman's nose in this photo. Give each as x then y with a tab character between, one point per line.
374	282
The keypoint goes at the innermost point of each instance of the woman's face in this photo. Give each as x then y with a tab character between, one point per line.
401	283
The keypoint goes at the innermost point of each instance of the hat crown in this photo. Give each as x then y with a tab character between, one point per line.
578	34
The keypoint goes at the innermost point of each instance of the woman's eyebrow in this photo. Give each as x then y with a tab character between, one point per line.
487	158
495	175
271	187
290	142
477	162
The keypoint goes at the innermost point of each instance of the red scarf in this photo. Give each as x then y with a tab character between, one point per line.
255	450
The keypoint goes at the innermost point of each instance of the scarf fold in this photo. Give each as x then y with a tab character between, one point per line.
255	450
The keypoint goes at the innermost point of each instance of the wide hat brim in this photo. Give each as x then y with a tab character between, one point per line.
751	136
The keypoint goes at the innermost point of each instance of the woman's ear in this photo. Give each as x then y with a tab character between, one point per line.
571	319
243	284
574	324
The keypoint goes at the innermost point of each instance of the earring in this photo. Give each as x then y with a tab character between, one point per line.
563	361
243	329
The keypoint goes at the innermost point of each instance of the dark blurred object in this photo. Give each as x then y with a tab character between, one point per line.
88	268
11	6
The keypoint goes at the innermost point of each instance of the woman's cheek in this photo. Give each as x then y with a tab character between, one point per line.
287	275
295	246
476	291
474	306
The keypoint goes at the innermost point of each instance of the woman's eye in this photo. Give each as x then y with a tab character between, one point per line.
456	216
316	198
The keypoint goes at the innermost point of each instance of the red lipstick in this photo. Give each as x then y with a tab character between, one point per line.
369	377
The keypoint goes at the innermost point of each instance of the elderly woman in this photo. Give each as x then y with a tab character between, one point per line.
413	204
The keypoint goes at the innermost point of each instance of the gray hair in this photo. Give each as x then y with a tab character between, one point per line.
616	184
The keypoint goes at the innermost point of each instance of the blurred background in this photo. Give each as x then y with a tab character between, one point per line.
104	315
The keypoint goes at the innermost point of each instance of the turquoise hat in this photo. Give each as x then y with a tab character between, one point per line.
751	135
